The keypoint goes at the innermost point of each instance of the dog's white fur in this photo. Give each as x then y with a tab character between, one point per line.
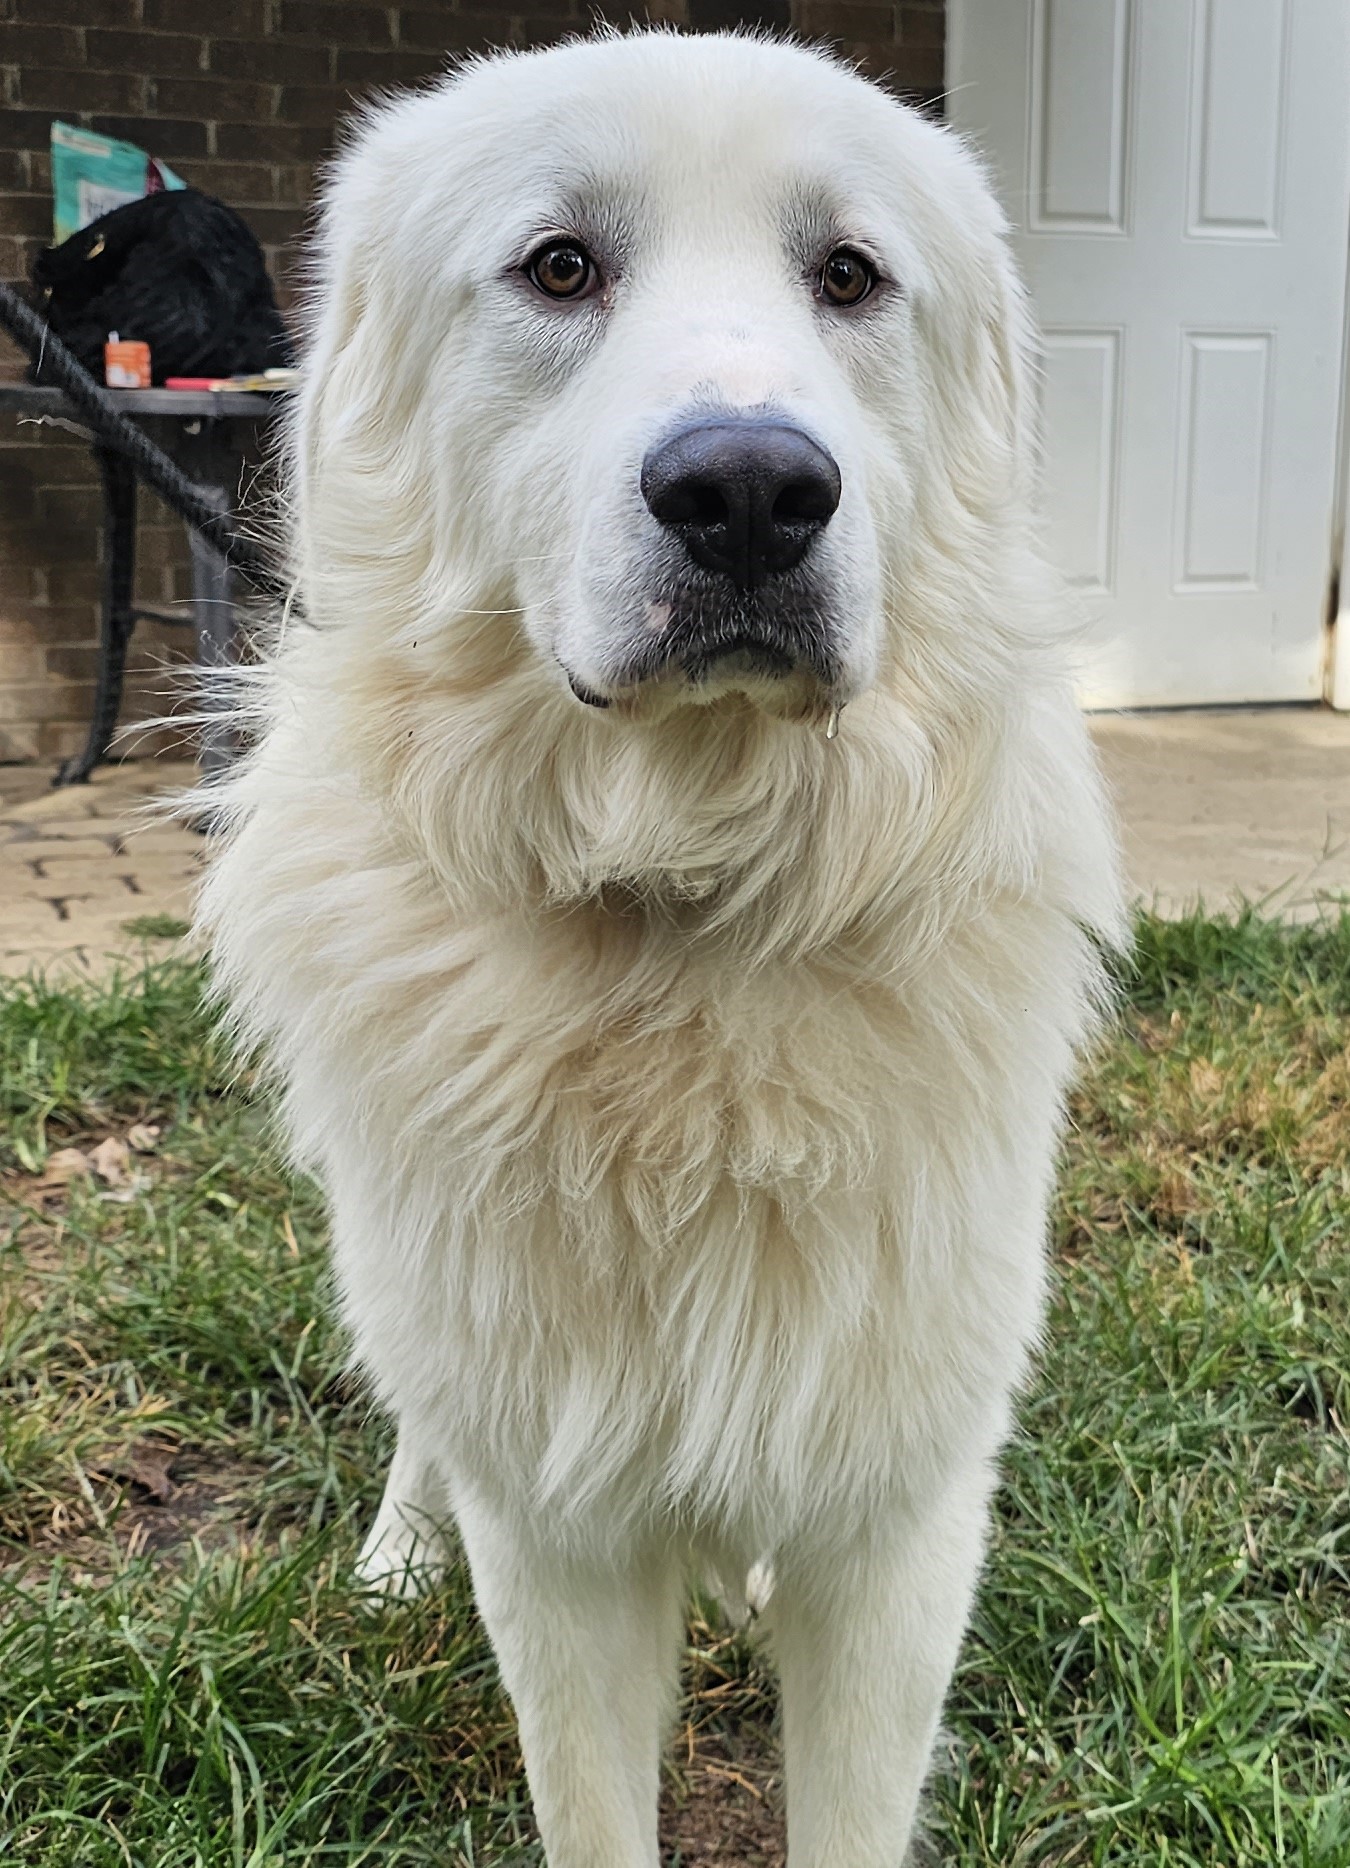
685	1084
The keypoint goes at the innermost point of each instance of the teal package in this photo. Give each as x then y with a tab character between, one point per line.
93	173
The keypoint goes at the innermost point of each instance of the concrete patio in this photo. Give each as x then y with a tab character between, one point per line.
1216	807
1222	806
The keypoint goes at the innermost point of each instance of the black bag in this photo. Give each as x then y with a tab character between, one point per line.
178	271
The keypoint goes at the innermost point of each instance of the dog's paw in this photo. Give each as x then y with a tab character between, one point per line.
744	1605
759	1585
397	1563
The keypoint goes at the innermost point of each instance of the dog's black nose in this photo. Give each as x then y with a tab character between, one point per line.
746	497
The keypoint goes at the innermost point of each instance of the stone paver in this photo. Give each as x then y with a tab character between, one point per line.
81	866
1216	807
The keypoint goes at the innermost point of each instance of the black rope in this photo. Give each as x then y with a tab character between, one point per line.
114	430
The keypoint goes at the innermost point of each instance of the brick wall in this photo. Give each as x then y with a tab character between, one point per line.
241	98
902	44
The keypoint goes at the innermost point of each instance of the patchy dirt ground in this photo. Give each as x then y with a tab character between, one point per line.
722	1804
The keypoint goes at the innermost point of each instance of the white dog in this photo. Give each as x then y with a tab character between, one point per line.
671	882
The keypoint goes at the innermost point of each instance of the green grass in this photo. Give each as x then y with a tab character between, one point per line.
1159	1666
155	927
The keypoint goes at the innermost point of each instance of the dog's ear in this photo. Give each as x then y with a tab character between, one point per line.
366	360
342	354
986	387
1013	350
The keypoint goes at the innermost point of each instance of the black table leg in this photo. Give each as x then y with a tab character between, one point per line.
208	451
118	620
217	644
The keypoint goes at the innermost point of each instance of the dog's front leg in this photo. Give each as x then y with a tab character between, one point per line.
866	1636
588	1648
403	1550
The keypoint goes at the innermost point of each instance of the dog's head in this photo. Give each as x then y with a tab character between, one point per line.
685	358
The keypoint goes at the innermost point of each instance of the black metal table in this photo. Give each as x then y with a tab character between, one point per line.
200	429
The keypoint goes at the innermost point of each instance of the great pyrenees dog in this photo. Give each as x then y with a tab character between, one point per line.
672	880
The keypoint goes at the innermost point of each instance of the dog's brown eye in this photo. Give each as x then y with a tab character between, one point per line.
846	278
562	269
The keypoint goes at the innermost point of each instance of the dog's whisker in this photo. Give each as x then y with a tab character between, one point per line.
506	610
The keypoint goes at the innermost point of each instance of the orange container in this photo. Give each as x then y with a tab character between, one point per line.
126	363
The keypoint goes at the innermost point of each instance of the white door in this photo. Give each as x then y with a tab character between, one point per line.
1178	175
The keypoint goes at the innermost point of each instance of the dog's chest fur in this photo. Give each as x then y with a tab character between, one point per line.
617	1217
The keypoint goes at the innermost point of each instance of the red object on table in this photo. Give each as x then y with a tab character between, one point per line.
190	382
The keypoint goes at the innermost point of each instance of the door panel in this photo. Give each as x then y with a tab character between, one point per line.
1222	484
1239	74
1079	114
1082	404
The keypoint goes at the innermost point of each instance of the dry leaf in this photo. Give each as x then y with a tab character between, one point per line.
143	1137
149	1468
111	1161
64	1166
145	1466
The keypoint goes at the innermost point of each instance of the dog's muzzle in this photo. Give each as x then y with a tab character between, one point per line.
741	501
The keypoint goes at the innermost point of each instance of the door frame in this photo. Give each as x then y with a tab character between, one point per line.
1336	664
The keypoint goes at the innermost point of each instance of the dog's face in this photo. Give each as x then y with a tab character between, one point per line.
694	321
